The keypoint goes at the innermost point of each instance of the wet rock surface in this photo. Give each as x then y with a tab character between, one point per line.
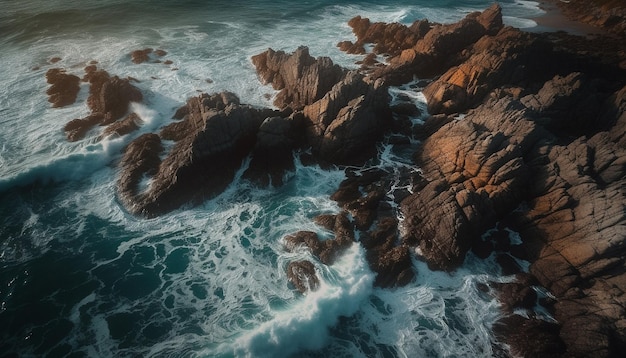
109	100
64	87
524	129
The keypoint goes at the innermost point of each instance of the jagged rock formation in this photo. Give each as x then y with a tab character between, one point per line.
214	136
109	100
64	89
542	151
337	113
302	275
344	113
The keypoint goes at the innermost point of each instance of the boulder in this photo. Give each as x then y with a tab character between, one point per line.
391	262
302	275
109	100
140	56
328	250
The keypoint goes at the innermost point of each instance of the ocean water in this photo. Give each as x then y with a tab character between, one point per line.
79	276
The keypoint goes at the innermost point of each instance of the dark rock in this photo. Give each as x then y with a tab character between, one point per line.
328	250
77	128
345	115
517	294
406	108
210	146
388	39
530	337
508	264
433	54
141	56
109	99
393	267
272	156
302	275
141	159
482	248
344	126
64	89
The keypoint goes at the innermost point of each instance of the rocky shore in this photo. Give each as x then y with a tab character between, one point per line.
525	137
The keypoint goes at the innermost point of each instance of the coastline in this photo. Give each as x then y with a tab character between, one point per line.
554	20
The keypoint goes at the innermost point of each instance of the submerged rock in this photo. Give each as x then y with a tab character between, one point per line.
302	275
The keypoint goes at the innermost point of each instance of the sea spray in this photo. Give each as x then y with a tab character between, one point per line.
304	325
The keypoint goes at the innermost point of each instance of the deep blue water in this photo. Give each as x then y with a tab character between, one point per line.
81	277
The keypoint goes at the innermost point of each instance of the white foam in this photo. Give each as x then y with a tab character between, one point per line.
305	324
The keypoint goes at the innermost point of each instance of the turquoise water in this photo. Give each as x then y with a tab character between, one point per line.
79	276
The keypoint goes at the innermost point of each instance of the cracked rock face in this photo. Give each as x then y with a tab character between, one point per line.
215	134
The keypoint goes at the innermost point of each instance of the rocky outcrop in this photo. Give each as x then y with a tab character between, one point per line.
327	250
345	114
576	227
272	155
141	56
214	136
440	47
302	275
539	149
64	87
109	100
344	126
388	39
476	172
300	78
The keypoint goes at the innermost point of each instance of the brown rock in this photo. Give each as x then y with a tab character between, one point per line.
433	54
140	56
477	173
300	78
64	89
272	156
529	337
76	129
129	124
302	275
344	126
210	146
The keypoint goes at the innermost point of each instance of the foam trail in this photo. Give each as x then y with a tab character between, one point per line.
74	166
304	326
